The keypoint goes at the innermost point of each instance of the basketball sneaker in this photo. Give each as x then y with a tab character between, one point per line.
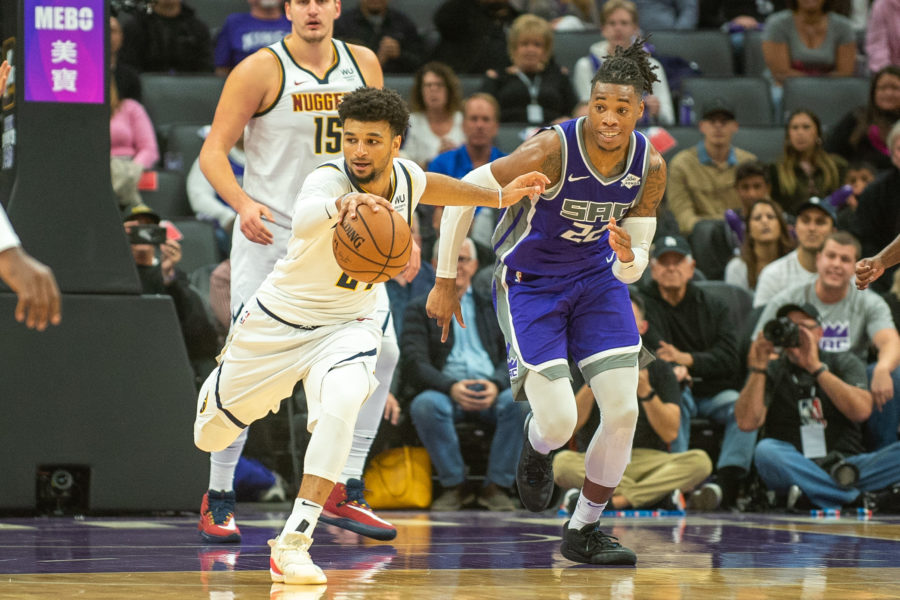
217	524
290	561
534	476
592	546
347	508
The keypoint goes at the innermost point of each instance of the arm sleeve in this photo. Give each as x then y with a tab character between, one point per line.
8	237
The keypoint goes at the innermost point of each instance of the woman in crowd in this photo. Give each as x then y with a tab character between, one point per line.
805	169
768	238
534	89
435	120
619	26
132	146
862	133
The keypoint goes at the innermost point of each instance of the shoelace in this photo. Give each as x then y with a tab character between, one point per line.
597	539
355	496
537	470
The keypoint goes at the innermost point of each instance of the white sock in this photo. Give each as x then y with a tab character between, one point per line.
586	512
359	450
223	463
303	518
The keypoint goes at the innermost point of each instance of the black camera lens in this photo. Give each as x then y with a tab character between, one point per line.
782	332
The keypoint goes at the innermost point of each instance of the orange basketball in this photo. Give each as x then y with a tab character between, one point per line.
373	248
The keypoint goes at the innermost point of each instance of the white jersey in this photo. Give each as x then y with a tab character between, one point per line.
307	287
283	144
8	237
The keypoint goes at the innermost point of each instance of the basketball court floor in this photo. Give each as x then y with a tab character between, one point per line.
458	555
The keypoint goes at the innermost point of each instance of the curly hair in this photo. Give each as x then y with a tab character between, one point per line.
370	104
628	66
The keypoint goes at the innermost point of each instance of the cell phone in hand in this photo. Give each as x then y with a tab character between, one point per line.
476	387
147	234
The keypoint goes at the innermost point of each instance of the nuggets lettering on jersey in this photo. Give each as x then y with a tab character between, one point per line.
564	231
317	101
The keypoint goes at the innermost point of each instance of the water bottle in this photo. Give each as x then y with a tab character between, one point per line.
686	110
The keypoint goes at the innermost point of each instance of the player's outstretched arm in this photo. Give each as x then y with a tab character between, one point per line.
442	190
250	88
870	269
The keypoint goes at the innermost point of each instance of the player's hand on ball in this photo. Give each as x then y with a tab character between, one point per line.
620	242
252	226
348	203
530	185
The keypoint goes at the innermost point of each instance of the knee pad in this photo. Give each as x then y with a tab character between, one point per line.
553	406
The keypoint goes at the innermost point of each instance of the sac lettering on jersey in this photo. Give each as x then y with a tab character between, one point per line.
590	212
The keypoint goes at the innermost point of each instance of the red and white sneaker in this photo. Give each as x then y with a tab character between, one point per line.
347	508
290	561
217	524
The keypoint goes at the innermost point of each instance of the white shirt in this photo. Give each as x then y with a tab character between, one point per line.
8	237
307	287
779	275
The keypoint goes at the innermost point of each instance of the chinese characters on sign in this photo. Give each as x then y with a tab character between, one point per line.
64	51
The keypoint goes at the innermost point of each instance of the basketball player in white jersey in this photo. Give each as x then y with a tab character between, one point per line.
310	322
284	99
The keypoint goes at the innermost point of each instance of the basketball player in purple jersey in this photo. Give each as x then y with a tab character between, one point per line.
560	287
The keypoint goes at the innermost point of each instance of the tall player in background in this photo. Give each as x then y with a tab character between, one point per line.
33	283
309	322
285	98
560	287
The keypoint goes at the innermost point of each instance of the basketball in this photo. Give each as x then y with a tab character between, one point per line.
373	248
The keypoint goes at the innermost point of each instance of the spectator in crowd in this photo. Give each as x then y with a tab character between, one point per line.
883	35
816	220
701	179
243	33
481	122
400	291
805	169
768	239
878	213
563	15
126	77
846	198
809	405
751	180
464	378
435	119
862	133
808	39
692	330
619	26
389	33
533	89
654	477
157	268
207	204
132	146
473	34
854	320
169	39
658	15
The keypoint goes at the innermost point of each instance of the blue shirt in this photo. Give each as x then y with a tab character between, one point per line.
243	34
468	358
456	163
704	158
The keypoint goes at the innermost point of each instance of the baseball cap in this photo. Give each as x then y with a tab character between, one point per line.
717	105
823	205
671	243
806	308
141	210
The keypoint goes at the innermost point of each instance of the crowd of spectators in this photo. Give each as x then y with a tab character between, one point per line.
794	228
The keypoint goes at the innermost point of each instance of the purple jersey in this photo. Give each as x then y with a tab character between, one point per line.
564	231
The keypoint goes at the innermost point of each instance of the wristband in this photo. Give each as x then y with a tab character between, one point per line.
648	397
819	371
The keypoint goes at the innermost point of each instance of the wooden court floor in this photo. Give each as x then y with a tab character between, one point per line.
459	555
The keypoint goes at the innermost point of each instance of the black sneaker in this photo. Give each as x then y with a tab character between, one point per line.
592	546
534	476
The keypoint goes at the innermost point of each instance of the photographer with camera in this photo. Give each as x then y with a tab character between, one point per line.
853	321
160	275
809	405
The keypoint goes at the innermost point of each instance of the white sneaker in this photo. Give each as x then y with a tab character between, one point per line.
290	561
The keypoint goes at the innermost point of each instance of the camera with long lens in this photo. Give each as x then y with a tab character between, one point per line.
843	473
782	332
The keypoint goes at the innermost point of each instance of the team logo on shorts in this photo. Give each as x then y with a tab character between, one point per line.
512	364
244	316
630	181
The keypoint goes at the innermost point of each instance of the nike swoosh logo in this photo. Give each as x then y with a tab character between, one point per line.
611	257
305	503
230	525
574	179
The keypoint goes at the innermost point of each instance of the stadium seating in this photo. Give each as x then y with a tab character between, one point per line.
569	46
166	194
180	99
214	12
750	96
709	49
198	247
829	97
182	146
767	143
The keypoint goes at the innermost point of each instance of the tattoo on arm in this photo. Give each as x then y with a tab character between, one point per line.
552	166
654	187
